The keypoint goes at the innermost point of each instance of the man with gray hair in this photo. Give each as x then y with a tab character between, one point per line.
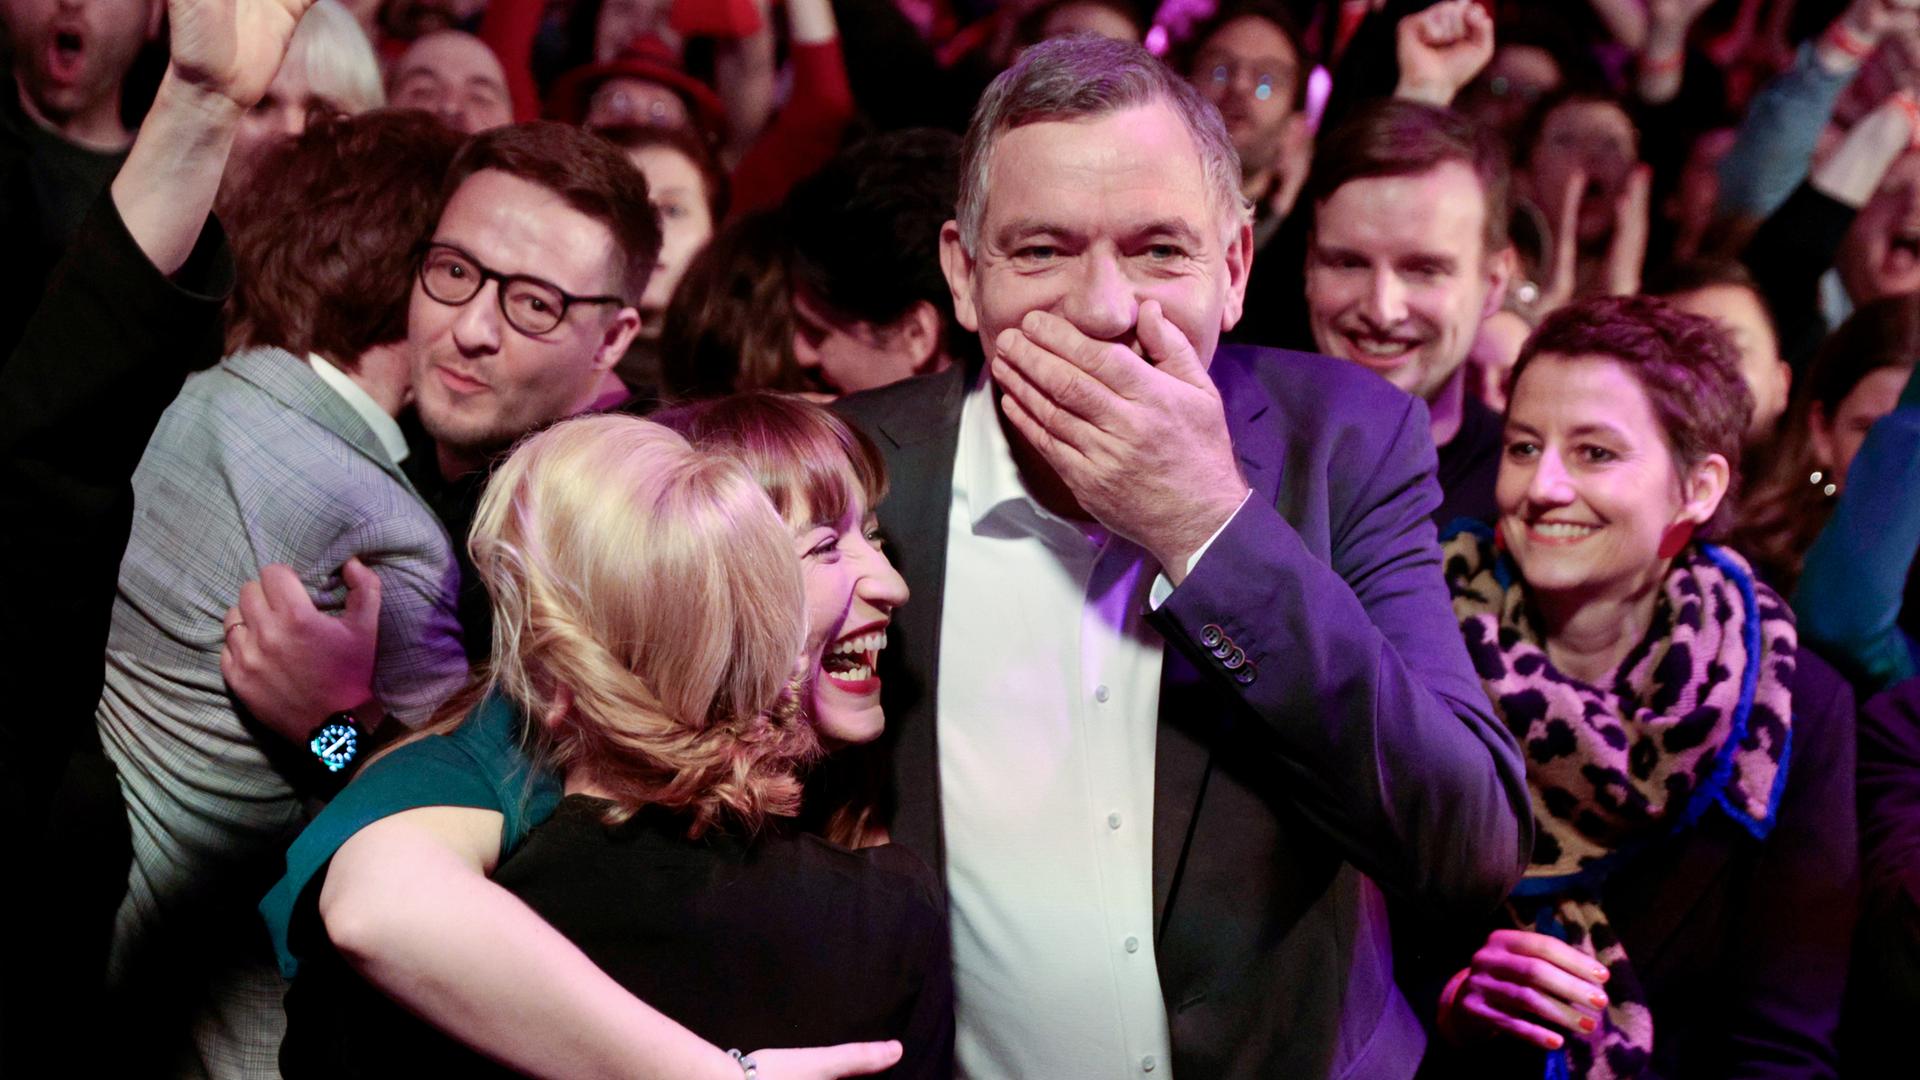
1179	694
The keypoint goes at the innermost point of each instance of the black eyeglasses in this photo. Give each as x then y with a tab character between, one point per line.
530	305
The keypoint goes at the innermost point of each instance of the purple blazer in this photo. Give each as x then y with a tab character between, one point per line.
1352	752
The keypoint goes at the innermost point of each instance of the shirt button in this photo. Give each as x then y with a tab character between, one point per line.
1132	944
1113	820
1147	1063
1100	694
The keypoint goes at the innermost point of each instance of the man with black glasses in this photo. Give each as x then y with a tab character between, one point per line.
500	312
525	298
526	294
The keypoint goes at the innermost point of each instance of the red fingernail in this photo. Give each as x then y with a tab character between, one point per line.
1600	973
1554	1042
1599	1001
1587	1023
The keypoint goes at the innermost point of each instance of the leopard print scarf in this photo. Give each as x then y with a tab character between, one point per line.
1687	724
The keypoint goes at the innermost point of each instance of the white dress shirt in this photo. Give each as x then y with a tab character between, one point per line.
1048	701
385	427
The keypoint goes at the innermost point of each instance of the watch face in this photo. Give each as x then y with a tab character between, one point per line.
335	745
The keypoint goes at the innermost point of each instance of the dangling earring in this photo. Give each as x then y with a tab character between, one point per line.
1675	538
1499	540
1823	483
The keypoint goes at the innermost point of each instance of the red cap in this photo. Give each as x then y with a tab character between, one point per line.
646	58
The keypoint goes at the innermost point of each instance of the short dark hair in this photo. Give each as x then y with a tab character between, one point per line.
713	178
331	224
1698	275
1527	136
589	174
1684	363
1693	275
866	230
1271	11
1405	138
729	324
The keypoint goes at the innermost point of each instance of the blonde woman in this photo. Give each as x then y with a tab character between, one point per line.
408	844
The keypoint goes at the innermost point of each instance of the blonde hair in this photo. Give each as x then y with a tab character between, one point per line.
332	49
655	587
812	465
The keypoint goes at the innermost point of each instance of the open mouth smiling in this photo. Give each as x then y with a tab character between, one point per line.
852	662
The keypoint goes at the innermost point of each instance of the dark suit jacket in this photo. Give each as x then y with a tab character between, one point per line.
1353	748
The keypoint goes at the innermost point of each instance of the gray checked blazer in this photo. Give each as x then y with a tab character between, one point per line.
258	461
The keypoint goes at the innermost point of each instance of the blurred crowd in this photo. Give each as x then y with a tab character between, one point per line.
1334	537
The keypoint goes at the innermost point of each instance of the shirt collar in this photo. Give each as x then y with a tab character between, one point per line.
984	475
385	427
986	482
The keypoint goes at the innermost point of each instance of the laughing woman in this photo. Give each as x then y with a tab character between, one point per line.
1690	899
546	966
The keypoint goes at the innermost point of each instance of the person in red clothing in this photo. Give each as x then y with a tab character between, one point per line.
643	86
768	150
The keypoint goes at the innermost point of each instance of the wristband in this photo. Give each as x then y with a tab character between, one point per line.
1665	65
1846	41
747	1067
1911	109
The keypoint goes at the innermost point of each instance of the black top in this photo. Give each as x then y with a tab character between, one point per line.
1787	255
1470	466
47	186
1275	311
105	351
1883	988
782	941
454	502
1741	945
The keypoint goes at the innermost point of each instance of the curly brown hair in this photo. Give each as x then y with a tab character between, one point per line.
329	229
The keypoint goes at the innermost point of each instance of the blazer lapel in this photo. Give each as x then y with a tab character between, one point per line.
287	379
917	426
1190	709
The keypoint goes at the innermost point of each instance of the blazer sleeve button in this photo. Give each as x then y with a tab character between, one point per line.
1246	675
1211	635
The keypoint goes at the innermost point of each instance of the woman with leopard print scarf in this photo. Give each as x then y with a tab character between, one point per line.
1689	900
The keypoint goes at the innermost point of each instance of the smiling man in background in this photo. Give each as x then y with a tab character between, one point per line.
1408	255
